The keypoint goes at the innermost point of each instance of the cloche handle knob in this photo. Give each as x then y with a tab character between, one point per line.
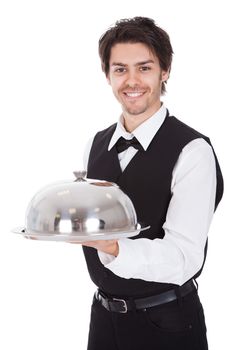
80	175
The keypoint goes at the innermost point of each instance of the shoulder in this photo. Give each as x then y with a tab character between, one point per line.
196	156
103	137
99	138
199	147
183	128
106	131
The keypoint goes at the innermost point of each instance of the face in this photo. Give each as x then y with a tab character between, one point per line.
136	79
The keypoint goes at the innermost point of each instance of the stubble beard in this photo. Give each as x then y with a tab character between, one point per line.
139	110
133	111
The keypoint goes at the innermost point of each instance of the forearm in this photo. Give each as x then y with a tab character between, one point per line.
109	247
155	260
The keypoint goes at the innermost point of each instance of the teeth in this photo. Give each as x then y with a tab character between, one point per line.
134	94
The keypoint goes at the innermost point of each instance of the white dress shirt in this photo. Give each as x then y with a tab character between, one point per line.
179	255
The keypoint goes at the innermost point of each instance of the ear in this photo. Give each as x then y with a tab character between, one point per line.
108	79
165	75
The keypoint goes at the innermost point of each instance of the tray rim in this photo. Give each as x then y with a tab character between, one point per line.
107	235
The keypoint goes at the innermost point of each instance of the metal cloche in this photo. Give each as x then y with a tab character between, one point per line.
80	210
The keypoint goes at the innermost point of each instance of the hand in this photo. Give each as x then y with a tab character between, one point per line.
106	246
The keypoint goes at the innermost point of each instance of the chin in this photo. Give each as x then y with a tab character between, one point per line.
135	111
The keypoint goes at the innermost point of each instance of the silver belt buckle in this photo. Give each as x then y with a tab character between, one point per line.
124	305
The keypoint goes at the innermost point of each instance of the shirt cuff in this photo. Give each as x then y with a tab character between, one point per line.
125	257
105	258
116	263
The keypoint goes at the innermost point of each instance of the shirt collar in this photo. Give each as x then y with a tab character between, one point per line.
144	132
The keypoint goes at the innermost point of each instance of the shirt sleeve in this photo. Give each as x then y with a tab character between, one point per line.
179	255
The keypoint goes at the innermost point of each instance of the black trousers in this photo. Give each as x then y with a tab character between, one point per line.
178	325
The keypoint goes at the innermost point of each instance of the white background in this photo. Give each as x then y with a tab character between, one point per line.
53	97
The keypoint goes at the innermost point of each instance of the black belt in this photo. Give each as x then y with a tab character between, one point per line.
123	306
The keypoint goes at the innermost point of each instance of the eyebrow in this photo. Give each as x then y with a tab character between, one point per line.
136	64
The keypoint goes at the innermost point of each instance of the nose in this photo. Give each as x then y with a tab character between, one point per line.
132	78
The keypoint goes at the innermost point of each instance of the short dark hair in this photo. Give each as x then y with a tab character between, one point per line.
137	30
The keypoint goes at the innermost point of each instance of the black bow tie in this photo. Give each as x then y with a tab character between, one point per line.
122	144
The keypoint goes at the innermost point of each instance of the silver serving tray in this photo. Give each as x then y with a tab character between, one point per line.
79	237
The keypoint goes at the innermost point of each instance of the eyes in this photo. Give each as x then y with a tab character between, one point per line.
122	70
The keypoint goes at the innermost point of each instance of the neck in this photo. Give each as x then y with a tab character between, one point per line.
132	121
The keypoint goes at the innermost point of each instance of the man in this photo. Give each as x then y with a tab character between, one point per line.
146	297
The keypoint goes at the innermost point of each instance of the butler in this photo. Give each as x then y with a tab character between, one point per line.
147	296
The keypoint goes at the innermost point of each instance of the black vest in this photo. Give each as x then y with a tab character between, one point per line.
147	181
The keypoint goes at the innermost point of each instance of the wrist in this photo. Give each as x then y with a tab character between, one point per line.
116	250
112	249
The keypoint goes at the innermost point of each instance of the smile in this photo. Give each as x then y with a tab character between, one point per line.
133	94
